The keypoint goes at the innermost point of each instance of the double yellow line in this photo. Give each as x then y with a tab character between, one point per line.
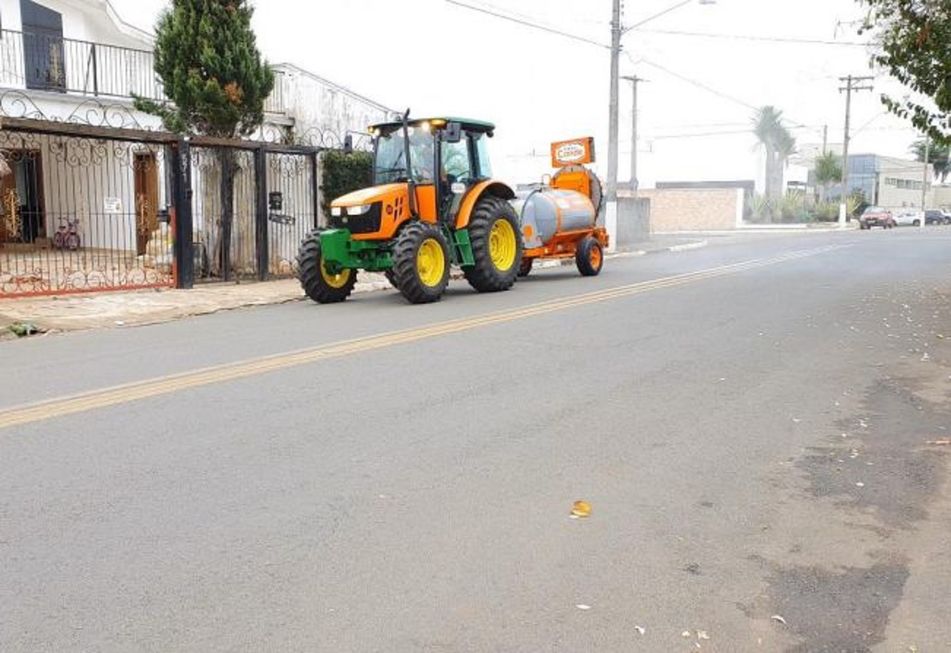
121	394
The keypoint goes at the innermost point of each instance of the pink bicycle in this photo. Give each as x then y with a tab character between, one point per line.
67	236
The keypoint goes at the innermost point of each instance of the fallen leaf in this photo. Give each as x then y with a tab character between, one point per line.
582	606
686	633
702	634
779	618
640	630
581	509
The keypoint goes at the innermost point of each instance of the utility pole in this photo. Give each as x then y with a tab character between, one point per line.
924	180
635	80
850	86
610	218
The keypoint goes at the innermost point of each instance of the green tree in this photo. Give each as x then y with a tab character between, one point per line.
913	40
828	171
216	83
938	157
213	74
778	143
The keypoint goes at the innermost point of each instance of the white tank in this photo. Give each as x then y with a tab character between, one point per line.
546	211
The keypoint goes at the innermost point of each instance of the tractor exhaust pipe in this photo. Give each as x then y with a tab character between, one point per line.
410	182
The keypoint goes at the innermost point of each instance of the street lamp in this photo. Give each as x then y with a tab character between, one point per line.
665	12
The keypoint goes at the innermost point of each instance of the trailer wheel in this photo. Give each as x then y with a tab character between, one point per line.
590	257
421	263
319	284
525	268
496	245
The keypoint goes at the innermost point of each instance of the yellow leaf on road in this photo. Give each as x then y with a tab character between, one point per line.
581	509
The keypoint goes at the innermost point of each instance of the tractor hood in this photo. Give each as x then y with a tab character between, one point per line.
368	195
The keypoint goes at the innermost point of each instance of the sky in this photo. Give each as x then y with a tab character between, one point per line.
694	111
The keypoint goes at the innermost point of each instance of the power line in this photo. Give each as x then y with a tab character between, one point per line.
694	82
655	16
752	37
527	23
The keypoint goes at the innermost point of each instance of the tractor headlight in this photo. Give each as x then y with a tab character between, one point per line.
336	211
358	210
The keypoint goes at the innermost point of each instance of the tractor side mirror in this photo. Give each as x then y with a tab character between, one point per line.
452	133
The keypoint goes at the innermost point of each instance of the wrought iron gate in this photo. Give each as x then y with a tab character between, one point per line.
82	213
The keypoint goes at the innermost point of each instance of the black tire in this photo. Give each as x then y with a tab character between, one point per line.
408	275
916	223
589	257
390	277
485	275
525	267
322	288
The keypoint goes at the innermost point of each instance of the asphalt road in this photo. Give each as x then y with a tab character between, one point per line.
750	423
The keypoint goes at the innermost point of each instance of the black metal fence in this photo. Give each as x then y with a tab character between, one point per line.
81	214
97	203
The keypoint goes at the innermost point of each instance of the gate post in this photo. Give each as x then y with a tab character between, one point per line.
183	247
261	213
315	188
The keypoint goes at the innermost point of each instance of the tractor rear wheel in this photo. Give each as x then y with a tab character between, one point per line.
421	263
590	257
319	284
390	277
496	245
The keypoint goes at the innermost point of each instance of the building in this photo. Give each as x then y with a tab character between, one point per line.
888	182
68	64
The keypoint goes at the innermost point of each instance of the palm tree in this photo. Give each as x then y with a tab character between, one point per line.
779	144
938	156
828	171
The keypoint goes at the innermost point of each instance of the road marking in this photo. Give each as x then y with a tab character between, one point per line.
120	394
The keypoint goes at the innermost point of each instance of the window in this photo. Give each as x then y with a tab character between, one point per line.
390	163
455	161
482	154
43	52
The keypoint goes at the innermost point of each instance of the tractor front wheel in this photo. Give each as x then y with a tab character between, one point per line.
496	245
421	263
320	285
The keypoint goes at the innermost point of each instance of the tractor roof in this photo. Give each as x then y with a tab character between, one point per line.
467	124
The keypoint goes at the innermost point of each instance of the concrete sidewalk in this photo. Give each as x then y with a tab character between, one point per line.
122	309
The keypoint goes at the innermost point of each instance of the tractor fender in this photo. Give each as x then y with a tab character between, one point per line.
474	194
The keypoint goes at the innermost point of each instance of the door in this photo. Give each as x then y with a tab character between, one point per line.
146	199
22	218
44	55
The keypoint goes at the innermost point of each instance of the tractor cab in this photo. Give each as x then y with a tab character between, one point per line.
441	157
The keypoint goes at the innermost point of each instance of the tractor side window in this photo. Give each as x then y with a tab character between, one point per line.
482	154
455	162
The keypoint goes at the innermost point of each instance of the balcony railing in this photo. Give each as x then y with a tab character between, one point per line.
48	62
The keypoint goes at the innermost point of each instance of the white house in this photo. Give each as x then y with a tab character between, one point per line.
77	61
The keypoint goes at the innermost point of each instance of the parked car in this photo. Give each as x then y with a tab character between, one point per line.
876	216
934	216
908	218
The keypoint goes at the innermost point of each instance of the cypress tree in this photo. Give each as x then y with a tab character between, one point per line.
208	61
216	83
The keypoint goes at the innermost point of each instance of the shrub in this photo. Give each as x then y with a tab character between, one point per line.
343	173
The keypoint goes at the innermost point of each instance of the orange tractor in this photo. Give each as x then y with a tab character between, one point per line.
434	204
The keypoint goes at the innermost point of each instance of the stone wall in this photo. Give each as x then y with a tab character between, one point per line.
699	209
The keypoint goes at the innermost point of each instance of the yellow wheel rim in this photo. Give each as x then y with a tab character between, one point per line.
335	280
502	244
430	263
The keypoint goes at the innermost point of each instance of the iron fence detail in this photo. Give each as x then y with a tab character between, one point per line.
80	214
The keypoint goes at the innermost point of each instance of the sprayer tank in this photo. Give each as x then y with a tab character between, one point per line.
546	212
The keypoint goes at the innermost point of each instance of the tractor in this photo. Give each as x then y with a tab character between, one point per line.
433	204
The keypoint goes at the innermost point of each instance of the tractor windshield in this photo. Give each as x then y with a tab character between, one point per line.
391	166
